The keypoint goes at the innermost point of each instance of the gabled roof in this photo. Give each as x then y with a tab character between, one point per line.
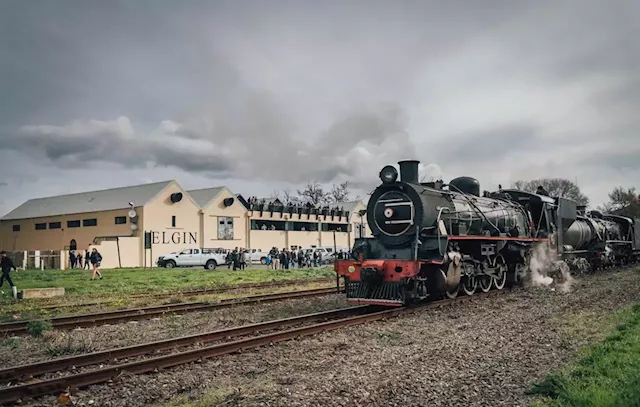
93	201
203	197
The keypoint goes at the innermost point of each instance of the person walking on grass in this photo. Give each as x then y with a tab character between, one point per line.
243	258
96	259
7	264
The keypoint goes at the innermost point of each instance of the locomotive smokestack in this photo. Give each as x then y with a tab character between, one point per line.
409	171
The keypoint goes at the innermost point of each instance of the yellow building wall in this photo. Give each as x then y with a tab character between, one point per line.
129	248
304	239
266	239
28	238
212	214
157	219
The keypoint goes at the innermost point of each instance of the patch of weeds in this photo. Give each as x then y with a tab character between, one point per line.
388	335
10	343
217	397
37	328
67	346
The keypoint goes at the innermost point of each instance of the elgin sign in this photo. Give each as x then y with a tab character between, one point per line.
156	238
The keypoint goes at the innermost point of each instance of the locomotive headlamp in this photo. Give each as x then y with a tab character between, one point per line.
389	174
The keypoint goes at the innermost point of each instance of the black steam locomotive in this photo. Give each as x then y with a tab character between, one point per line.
433	240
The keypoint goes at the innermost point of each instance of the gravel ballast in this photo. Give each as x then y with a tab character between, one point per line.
481	353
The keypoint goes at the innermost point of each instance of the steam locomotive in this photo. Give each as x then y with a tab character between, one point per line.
432	240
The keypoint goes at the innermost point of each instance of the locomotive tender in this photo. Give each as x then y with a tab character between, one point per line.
432	240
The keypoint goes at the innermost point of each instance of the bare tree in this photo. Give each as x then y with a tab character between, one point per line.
314	193
339	192
275	194
288	196
556	187
625	202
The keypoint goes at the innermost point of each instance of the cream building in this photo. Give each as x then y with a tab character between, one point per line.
118	221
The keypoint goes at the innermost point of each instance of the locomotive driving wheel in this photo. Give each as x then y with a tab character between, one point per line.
453	293
501	273
469	285
485	283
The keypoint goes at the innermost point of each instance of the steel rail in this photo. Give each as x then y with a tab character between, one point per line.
101	318
11	394
19	372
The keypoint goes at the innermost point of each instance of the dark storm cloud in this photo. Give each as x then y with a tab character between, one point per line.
483	145
299	90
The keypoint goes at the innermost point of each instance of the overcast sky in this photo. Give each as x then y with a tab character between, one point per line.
261	95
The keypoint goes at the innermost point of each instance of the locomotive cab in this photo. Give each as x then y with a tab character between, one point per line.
542	209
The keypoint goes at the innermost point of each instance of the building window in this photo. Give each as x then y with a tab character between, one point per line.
73	223
302	226
268	225
173	221
121	220
90	222
41	226
16	228
55	225
225	228
338	227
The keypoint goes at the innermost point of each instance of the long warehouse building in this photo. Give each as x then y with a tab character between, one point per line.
116	221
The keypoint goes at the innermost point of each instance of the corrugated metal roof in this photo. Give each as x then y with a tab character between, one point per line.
205	195
104	200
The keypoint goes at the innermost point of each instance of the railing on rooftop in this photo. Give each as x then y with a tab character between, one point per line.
298	209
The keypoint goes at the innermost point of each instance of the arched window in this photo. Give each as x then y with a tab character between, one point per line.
73	245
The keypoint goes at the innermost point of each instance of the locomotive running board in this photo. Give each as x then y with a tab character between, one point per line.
373	301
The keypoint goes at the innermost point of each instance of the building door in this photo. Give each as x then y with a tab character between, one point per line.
73	245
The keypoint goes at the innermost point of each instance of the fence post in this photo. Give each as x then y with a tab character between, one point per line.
24	260
63	259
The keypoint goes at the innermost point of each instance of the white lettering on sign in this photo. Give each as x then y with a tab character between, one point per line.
174	238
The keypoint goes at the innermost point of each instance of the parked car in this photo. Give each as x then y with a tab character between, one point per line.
207	258
257	256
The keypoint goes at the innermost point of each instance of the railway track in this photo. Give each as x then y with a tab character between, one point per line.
202	291
86	320
244	338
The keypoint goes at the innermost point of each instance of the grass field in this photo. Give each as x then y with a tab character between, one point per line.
606	375
124	281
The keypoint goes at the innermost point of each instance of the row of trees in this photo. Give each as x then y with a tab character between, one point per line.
316	194
624	202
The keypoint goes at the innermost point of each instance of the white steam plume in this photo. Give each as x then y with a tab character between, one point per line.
546	269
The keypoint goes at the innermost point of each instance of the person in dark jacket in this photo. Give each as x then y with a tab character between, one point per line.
7	264
87	259
96	259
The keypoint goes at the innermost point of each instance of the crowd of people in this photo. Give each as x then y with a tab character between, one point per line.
92	260
237	258
282	259
257	204
285	259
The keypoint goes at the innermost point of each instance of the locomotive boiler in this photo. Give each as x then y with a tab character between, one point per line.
432	239
603	239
